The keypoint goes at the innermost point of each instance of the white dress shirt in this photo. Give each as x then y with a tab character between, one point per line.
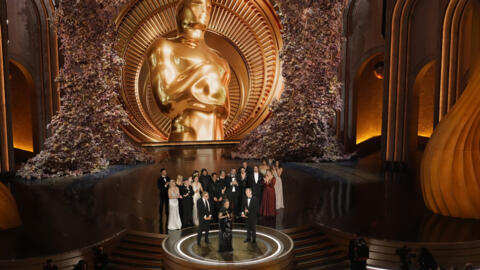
231	183
207	205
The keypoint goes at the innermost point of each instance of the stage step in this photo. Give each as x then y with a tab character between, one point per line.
315	250
321	263
138	251
115	266
304	234
333	266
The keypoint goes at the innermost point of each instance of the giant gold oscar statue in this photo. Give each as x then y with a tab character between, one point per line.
189	79
247	36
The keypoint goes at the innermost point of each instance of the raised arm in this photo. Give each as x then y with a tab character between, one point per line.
224	110
167	83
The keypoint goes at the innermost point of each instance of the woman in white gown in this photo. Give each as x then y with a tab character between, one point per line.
197	189
174	221
277	173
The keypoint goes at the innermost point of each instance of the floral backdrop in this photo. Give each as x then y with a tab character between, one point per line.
86	134
301	126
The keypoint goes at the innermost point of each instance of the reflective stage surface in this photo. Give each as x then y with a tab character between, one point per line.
352	196
272	247
243	252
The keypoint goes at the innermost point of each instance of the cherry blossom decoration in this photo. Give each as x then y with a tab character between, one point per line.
86	134
300	127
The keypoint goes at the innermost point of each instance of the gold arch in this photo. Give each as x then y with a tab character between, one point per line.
450	44
247	33
395	115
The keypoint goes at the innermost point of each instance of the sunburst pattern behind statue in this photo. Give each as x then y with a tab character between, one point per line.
247	33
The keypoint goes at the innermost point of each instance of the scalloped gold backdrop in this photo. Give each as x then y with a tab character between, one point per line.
246	32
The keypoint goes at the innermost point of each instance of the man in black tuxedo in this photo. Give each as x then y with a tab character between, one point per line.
233	192
247	168
255	182
162	183
187	203
250	211
217	191
204	217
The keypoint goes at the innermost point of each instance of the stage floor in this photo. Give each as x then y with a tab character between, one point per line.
271	248
352	196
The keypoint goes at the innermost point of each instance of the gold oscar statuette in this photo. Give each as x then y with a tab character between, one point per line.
189	79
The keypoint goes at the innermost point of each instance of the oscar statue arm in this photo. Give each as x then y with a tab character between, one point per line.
224	110
167	83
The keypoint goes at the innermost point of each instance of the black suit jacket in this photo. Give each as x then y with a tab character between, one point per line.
257	188
253	208
187	193
203	211
223	182
215	190
230	186
205	180
248	170
161	182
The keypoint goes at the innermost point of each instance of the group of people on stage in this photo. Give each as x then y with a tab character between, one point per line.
221	197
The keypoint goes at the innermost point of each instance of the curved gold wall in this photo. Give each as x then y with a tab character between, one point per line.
9	217
450	171
247	34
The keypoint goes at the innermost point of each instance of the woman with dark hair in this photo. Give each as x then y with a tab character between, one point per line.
277	173
225	233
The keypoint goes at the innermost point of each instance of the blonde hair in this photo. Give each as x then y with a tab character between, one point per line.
179	180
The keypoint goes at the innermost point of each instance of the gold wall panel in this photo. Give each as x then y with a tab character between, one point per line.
245	32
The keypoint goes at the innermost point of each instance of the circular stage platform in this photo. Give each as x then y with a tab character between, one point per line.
273	250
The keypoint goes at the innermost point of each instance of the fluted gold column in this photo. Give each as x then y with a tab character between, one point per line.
450	169
6	141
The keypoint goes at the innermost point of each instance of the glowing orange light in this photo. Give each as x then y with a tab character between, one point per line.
378	70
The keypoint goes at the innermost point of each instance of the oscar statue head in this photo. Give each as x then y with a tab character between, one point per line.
193	17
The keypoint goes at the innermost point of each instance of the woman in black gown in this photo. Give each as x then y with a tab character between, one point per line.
225	234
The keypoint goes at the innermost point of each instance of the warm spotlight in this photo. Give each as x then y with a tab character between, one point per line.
378	70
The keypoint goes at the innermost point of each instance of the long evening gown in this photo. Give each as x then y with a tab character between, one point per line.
196	196
267	206
225	233
278	191
174	221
